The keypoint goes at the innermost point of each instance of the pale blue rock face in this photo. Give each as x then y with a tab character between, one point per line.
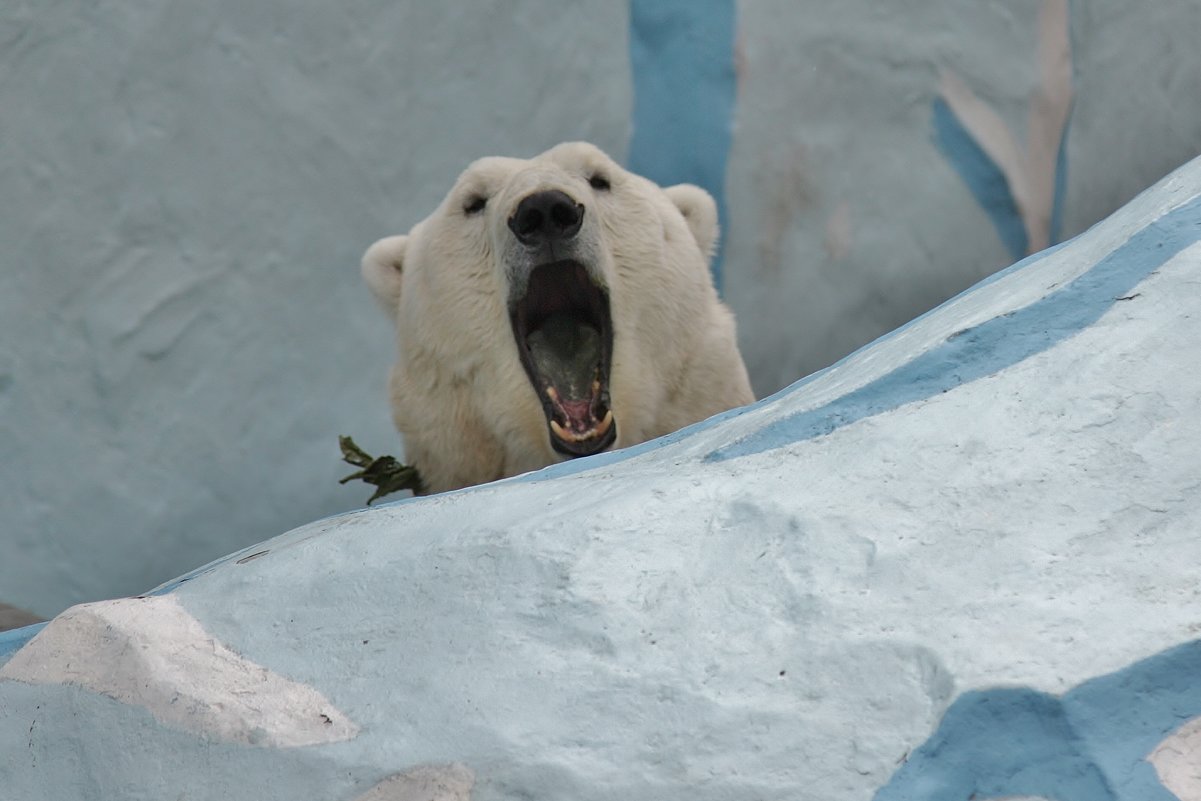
188	189
961	561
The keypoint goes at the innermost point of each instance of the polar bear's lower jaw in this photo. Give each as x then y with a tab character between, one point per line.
581	433
564	337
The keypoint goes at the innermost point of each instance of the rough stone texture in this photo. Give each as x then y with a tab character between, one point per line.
150	652
188	188
426	783
960	563
1175	761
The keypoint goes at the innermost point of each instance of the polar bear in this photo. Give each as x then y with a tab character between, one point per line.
551	308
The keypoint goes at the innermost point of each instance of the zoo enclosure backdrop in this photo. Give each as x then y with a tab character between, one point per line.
188	188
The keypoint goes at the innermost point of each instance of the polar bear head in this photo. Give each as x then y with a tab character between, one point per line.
552	308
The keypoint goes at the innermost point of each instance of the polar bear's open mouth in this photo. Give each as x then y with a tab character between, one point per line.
565	338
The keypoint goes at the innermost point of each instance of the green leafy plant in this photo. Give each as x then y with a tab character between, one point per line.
385	473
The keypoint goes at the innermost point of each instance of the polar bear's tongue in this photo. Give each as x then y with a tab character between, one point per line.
566	353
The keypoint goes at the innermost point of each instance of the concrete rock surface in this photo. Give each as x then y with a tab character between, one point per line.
961	563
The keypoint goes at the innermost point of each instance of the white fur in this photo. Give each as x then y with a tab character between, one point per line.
382	270
459	395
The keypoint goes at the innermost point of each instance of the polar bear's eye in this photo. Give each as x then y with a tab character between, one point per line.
599	182
475	205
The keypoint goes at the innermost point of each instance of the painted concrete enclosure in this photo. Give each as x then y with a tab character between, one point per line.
188	187
962	563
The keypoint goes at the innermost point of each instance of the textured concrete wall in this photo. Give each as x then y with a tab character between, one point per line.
937	571
187	192
849	217
187	189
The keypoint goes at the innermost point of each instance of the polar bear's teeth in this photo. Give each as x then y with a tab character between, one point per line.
570	436
552	393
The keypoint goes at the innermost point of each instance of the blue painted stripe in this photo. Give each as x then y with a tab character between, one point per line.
983	178
995	344
998	743
14	640
682	62
573	466
1089	745
988	184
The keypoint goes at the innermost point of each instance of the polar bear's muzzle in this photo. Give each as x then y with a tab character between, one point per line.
564	336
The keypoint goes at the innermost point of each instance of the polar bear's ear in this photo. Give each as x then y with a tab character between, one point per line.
700	212
382	266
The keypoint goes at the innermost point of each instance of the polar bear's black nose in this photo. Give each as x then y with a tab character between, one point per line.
546	216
